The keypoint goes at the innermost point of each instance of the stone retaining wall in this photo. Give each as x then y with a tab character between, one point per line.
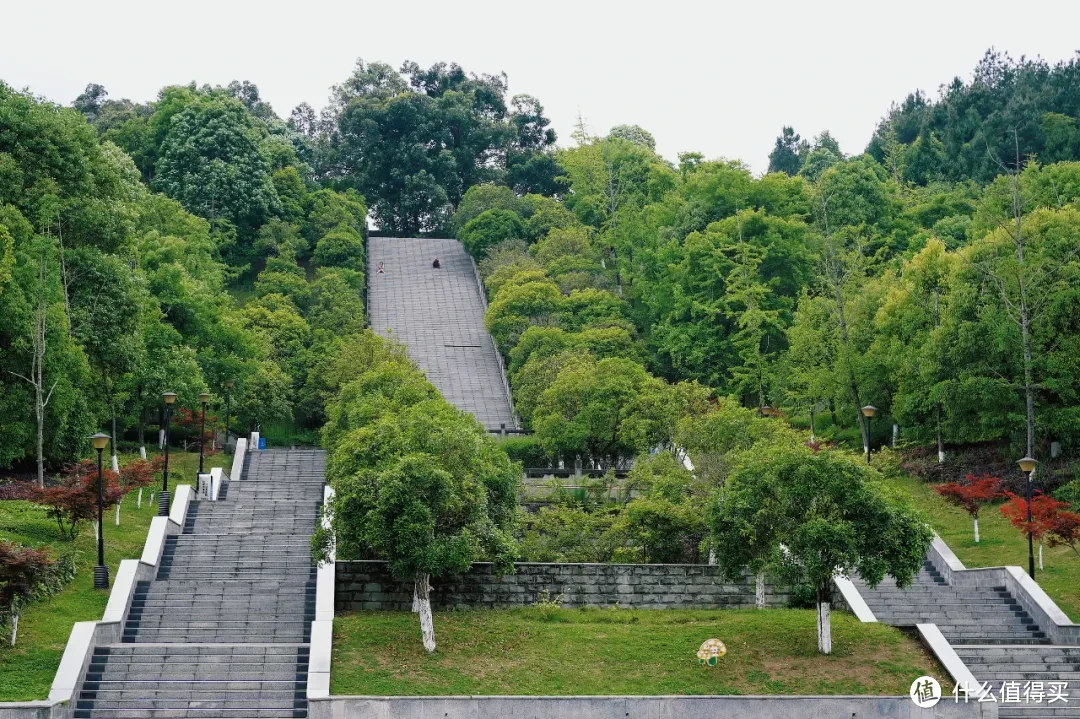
669	707
368	585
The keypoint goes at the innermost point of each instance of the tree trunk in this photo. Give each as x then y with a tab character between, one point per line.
937	405
14	627
824	623
142	425
112	415
811	422
712	556
940	441
759	590
422	587
832	411
118	514
1040	555
976	530
895	434
40	439
138	502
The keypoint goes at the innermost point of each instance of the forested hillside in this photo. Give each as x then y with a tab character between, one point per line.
199	238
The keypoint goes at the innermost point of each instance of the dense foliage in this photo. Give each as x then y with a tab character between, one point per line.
417	482
889	278
111	293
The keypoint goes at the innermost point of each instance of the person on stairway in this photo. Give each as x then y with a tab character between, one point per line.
436	264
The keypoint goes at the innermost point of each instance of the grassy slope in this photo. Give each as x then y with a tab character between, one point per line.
27	670
620	651
1001	544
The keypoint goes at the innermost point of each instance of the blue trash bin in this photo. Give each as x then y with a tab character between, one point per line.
262	442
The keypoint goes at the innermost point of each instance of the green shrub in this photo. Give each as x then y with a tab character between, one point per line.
340	247
526	450
488	229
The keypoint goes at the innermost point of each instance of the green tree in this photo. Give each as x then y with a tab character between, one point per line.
490	228
828	513
417	482
341	247
212	163
789	153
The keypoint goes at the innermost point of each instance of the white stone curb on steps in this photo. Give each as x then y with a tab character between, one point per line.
945	654
238	458
854	600
322	628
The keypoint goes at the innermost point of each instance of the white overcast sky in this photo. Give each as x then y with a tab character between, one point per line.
717	77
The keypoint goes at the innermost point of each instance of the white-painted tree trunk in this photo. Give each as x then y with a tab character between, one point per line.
976	530
712	557
1040	555
95	530
941	456
759	590
422	587
138	502
118	513
161	439
415	600
824	628
14	628
895	434
115	463
142	452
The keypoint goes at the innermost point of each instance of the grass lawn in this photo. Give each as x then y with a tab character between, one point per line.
27	670
1001	544
531	651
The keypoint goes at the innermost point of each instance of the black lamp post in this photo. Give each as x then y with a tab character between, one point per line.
204	397
1027	464
101	571
868	411
228	404
163	498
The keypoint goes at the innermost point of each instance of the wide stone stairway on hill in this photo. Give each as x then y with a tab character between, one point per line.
438	313
222	630
989	630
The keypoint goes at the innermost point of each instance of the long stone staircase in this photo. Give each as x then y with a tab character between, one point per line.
1001	644
438	314
223	629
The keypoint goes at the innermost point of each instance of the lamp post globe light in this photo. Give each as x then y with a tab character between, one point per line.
101	571
204	397
868	411
1027	466
228	405
163	498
